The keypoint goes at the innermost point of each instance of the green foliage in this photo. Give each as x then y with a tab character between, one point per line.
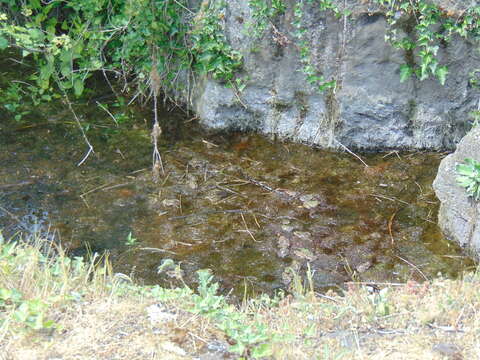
433	28
207	301
314	77
142	43
131	241
263	13
148	43
328	5
27	313
211	52
12	101
380	303
18	99
468	177
249	339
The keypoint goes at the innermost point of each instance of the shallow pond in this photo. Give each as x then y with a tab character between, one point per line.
254	211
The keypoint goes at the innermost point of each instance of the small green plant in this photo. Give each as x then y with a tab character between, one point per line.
131	241
28	313
379	302
207	301
249	339
468	177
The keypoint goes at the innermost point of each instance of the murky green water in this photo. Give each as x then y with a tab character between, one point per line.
248	208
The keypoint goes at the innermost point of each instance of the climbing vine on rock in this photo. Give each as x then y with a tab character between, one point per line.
212	53
421	29
313	75
263	14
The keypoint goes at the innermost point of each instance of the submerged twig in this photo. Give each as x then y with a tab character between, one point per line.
82	131
351	152
414	266
393	199
247	230
14	217
390	224
234	211
108	112
157	250
21	183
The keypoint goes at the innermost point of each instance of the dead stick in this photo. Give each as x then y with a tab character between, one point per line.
414	266
390	223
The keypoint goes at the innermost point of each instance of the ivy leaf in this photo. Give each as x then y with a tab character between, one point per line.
3	43
405	72
441	73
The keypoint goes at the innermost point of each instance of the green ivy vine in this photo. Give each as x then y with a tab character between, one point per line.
432	27
313	76
211	52
263	14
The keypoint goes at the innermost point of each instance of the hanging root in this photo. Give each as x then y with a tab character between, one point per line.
156	157
156	130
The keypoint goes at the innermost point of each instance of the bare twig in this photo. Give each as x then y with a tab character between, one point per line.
14	217
390	224
351	152
157	250
108	112
388	198
414	266
247	230
82	131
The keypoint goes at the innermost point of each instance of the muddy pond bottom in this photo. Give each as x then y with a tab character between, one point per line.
254	211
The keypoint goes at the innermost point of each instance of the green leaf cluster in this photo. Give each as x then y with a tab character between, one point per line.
468	177
263	13
248	339
433	29
137	43
313	75
211	52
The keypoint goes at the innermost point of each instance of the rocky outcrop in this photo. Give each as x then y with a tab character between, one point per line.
459	215
368	109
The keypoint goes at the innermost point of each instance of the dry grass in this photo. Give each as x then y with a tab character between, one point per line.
101	316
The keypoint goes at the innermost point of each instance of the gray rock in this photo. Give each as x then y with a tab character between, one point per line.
369	109
459	214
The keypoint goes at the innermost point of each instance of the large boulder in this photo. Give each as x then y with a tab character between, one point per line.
369	109
459	215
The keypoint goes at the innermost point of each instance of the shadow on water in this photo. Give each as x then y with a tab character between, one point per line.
250	209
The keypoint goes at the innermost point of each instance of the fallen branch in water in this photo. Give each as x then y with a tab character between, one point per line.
21	183
351	152
390	223
234	211
414	266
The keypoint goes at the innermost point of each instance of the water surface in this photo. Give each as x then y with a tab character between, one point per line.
252	210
